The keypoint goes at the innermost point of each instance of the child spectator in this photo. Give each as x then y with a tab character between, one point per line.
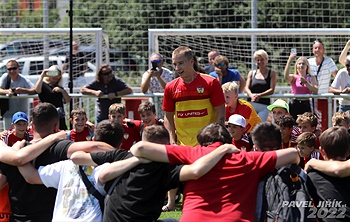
281	108
81	131
147	111
236	127
307	122
117	113
341	119
307	148
18	132
286	124
238	106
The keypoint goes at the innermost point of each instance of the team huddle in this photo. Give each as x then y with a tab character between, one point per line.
231	162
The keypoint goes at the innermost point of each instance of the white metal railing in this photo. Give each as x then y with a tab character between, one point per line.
87	101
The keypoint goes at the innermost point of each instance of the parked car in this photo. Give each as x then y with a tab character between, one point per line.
28	47
31	67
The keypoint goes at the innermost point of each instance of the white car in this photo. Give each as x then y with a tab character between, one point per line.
31	67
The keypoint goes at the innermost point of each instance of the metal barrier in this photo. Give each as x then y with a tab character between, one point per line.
87	102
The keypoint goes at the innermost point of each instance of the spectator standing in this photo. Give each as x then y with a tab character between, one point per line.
211	57
191	101
344	53
323	68
154	80
79	64
261	82
341	84
11	84
225	74
302	82
106	83
50	90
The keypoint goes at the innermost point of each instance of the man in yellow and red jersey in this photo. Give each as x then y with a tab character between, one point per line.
192	101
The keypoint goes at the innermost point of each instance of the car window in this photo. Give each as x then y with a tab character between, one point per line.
36	67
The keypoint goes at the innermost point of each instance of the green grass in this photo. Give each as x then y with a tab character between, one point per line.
173	214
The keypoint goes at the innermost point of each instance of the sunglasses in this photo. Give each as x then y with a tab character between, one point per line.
221	64
106	73
156	61
12	68
347	65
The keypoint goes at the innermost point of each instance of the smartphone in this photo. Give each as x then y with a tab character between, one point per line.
293	51
154	66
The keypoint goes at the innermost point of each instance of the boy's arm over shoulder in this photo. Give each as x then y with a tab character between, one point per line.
331	168
30	174
287	156
204	164
151	151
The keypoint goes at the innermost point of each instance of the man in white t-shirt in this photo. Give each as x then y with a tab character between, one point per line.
323	68
341	84
155	79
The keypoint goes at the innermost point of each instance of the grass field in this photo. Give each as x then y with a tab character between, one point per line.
173	214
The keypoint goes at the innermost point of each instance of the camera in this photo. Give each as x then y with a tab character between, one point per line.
154	66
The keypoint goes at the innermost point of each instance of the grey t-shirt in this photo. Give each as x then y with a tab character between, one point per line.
17	104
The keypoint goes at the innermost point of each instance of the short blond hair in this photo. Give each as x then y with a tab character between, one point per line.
117	108
230	87
261	53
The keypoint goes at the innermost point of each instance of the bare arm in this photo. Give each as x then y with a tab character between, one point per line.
313	85
221	114
248	83
86	91
145	85
241	84
125	91
29	91
204	164
287	76
28	153
331	168
169	124
64	94
151	151
118	168
3	181
82	158
30	174
344	53
39	84
89	147
287	156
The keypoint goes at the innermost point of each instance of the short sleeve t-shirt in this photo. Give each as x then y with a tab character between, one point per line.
233	195
194	105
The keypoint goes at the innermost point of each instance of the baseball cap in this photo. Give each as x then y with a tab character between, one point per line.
279	103
238	120
19	116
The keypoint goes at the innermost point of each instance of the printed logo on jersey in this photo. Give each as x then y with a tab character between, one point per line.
192	113
126	136
200	89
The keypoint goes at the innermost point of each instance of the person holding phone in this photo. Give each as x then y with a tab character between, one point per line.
155	79
302	82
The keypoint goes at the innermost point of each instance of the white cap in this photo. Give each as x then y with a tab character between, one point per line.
238	120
